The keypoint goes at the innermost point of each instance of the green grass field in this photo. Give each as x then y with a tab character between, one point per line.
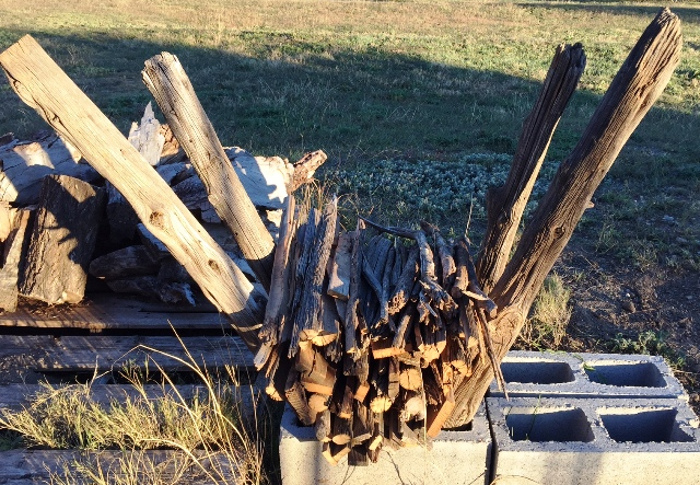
370	81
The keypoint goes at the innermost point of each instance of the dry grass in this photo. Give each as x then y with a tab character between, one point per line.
550	315
213	443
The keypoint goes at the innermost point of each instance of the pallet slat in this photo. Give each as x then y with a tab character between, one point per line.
15	396
27	467
112	312
102	353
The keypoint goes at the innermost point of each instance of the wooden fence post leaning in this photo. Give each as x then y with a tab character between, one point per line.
166	79
637	85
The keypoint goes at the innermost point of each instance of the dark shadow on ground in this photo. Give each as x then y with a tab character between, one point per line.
686	14
355	105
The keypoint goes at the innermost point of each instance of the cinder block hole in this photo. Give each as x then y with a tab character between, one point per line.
643	374
652	426
537	372
466	427
548	424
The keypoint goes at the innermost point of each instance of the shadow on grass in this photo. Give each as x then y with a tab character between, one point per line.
615	7
357	105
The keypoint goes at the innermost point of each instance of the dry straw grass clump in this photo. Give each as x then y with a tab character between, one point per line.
549	319
175	437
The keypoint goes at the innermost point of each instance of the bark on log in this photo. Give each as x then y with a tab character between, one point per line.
62	240
352	348
447	262
308	322
166	79
11	259
40	83
305	168
633	91
505	204
339	277
123	263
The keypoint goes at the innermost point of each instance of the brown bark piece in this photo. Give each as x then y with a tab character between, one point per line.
62	240
447	262
280	289
296	397
308	322
305	168
438	415
351	317
404	286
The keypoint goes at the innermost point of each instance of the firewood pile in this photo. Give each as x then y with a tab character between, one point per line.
366	336
50	195
377	336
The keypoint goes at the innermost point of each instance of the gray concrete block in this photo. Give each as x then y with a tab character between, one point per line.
568	441
587	375
456	457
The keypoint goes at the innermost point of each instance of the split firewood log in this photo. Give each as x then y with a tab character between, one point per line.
62	240
11	257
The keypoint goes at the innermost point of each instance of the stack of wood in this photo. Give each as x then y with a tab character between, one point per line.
61	222
367	336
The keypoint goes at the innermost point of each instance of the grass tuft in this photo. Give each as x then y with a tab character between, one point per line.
213	442
551	312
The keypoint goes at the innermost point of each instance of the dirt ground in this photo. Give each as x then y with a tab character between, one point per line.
618	308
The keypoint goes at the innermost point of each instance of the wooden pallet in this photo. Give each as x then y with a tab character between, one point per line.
102	342
32	467
111	312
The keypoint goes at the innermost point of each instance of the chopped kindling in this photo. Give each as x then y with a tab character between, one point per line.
384	370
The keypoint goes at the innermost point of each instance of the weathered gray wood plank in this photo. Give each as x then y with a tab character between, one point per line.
14	396
31	467
109	311
81	353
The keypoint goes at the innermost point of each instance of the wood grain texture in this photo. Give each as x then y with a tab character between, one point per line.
109	311
11	259
105	353
637	85
42	84
506	204
166	79
633	91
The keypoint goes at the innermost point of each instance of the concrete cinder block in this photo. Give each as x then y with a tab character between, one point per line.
456	457
587	375
593	441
